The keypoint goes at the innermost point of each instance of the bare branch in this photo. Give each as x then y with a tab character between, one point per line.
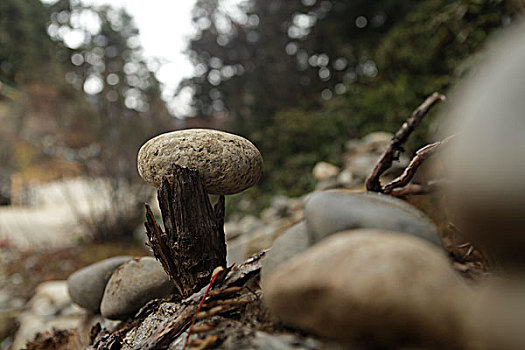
395	147
409	172
417	189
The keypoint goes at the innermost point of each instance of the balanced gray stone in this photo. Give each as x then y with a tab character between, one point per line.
383	286
132	285
227	163
337	210
292	242
485	161
86	286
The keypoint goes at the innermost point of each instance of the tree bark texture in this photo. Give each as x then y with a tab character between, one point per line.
193	244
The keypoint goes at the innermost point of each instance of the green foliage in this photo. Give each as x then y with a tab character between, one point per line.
400	54
94	105
26	51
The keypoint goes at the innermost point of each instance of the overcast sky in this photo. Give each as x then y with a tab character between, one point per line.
165	28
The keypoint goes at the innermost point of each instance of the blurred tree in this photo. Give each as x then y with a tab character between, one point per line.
301	77
27	54
102	104
26	51
106	63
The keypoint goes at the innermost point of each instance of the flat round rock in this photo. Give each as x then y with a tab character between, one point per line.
226	163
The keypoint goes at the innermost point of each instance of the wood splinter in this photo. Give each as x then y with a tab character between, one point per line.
194	243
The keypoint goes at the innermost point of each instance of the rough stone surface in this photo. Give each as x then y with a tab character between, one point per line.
86	286
337	210
132	285
386	287
485	161
292	242
227	163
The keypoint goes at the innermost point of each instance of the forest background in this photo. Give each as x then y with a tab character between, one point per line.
298	78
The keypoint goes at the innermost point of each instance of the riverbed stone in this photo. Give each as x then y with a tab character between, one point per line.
227	163
337	210
292	242
86	286
132	285
375	285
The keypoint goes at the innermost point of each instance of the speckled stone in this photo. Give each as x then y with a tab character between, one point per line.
132	285
227	163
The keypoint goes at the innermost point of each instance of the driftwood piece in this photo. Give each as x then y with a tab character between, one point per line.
396	145
194	243
159	323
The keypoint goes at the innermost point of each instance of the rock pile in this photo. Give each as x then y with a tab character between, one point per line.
86	286
248	235
333	211
395	288
251	234
118	287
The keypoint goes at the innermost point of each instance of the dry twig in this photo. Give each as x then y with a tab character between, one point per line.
202	344
409	172
205	327
395	147
411	190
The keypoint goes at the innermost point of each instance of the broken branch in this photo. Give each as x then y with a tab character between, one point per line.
409	172
395	147
417	189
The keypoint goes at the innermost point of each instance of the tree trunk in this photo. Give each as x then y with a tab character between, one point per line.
193	244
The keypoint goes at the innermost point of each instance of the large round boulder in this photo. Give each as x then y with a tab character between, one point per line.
381	286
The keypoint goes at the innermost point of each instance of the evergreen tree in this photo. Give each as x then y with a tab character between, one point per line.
94	104
311	74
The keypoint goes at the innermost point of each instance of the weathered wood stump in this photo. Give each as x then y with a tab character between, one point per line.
194	243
